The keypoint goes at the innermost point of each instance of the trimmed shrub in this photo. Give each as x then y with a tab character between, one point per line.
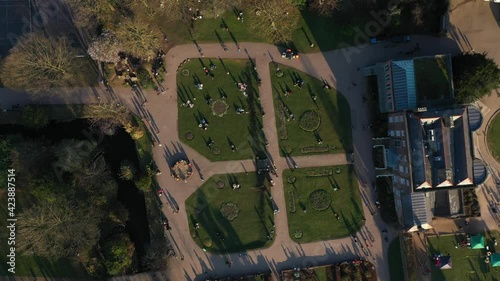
315	149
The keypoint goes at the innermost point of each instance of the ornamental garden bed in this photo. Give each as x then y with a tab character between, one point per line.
310	119
219	114
321	203
231	220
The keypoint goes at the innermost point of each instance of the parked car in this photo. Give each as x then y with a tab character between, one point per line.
379	39
290	54
400	38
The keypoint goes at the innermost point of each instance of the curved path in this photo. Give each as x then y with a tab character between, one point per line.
340	69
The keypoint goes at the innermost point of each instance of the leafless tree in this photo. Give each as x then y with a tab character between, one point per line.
274	19
138	38
324	7
91	13
38	63
418	14
105	48
58	229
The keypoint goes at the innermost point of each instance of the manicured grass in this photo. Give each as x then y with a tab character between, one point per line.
250	230
242	130
335	129
468	264
32	265
345	28
493	137
395	261
432	78
322	225
310	30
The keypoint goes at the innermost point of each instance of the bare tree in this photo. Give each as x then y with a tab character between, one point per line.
108	113
418	14
324	7
138	38
154	11
91	13
38	63
105	48
59	229
274	19
155	258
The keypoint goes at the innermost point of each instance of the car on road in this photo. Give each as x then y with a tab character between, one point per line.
401	38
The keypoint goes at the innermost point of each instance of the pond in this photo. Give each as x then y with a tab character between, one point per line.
115	149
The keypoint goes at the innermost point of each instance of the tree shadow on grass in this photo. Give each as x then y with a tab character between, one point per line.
340	118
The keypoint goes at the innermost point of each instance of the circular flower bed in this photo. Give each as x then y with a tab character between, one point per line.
229	211
309	121
220	184
219	108
320	200
279	73
185	72
189	136
291	179
215	150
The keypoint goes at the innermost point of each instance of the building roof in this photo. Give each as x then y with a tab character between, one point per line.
412	83
403	84
415	209
440	148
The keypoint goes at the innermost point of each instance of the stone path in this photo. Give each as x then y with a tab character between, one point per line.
284	253
340	69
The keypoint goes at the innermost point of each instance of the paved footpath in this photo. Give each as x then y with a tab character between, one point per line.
333	66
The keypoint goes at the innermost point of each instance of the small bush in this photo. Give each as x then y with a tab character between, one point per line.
144	183
319	173
314	149
35	117
229	211
145	79
189	136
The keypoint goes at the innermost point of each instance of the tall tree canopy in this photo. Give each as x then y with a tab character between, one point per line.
275	19
474	76
37	63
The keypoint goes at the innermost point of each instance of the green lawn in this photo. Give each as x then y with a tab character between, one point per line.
395	261
243	130
433	78
249	230
468	264
318	225
32	265
333	109
493	137
310	30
